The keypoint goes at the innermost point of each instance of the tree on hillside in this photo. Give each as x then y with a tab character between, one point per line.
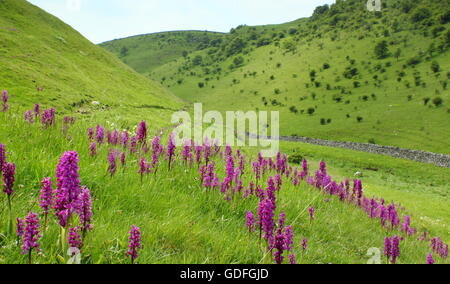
407	6
293	109
236	46
124	51
292	31
253	36
290	45
398	53
312	75
216	42
382	50
350	72
435	67
198	60
421	14
263	42
335	20
238	61
321	10
445	18
437	101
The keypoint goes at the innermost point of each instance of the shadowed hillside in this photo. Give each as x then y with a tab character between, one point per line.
44	60
146	52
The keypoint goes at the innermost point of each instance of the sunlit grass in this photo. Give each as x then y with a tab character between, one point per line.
180	221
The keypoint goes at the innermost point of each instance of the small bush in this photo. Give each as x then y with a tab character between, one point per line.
359	119
438	101
413	61
312	75
292	31
382	50
445	18
238	61
421	14
124	51
435	67
350	72
198	60
295	158
337	98
321	10
437	31
263	42
407	7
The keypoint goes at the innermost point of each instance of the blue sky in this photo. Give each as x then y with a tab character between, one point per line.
102	20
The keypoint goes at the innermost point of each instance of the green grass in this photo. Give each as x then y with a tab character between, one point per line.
390	116
422	189
182	223
37	50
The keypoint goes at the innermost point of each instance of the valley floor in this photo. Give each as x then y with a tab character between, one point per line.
440	160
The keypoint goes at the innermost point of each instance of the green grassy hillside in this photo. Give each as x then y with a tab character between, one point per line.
146	52
343	74
44	60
